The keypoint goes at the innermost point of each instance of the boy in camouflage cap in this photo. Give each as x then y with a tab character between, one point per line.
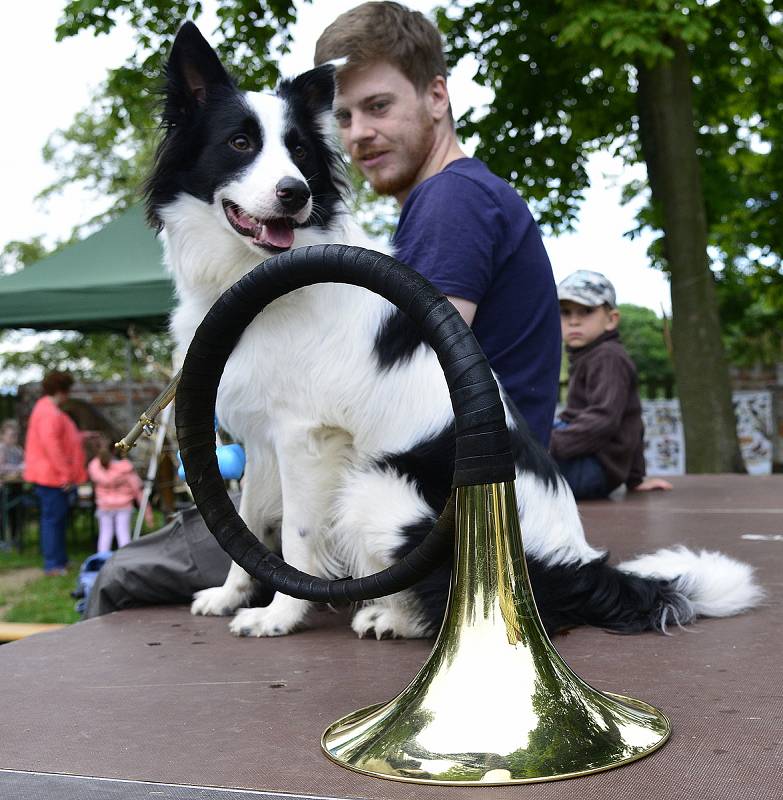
598	439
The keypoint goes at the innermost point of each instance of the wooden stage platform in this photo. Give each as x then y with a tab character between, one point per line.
155	703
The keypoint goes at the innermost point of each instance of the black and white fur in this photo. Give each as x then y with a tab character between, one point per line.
344	414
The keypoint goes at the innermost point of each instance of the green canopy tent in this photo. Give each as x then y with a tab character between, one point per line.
106	282
113	280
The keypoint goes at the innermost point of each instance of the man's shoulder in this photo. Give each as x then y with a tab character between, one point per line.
470	171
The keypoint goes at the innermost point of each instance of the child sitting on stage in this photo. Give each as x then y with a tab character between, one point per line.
598	439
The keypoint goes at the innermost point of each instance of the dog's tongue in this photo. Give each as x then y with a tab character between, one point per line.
276	232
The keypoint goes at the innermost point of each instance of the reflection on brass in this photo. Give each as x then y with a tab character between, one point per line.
494	703
147	421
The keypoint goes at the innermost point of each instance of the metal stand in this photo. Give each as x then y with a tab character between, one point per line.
152	469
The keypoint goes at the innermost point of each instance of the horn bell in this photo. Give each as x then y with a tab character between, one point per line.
495	703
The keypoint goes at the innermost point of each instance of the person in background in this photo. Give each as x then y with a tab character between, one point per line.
463	228
117	488
54	462
11	454
598	439
11	465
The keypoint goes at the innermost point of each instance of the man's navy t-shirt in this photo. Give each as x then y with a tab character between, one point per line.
473	237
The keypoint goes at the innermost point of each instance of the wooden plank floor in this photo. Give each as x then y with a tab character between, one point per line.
156	695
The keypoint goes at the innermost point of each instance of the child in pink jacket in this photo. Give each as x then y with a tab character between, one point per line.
116	486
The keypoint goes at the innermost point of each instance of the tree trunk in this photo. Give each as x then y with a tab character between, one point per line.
668	139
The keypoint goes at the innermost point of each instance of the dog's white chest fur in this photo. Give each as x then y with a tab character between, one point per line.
308	358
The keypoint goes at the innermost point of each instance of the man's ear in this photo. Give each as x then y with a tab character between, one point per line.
192	69
438	97
315	87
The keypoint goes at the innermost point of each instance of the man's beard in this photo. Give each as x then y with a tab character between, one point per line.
416	148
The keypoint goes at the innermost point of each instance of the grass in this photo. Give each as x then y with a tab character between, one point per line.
42	598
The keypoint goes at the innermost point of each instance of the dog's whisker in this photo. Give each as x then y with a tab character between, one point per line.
318	213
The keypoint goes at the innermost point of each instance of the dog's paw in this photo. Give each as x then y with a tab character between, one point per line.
387	622
270	621
219	601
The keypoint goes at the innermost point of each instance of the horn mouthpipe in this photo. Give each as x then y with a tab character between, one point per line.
147	421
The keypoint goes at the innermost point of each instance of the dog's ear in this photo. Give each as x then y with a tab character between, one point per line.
315	87
193	68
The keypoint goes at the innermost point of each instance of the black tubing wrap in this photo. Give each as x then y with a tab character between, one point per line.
483	452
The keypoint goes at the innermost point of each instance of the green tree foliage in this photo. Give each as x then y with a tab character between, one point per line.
564	75
90	357
690	88
643	336
751	304
110	145
16	255
569	78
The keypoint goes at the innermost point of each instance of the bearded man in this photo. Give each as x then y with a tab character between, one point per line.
461	226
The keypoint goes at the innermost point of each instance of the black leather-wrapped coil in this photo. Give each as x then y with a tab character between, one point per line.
483	452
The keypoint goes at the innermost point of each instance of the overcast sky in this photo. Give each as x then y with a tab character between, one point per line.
45	83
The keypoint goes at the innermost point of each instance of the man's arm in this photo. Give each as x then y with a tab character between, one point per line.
448	233
466	308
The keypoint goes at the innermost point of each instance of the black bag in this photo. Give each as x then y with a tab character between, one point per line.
164	567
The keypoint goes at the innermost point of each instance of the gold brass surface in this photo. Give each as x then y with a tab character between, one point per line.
494	703
147	421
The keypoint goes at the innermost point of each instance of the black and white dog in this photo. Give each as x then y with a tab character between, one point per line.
343	412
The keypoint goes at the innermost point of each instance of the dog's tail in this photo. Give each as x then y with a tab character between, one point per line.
652	592
713	584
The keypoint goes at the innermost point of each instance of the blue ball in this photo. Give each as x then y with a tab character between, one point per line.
231	462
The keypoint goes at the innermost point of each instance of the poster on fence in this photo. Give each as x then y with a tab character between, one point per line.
664	447
754	429
664	444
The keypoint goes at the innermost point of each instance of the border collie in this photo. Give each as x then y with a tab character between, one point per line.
343	411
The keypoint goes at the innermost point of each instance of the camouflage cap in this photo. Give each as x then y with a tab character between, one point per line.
588	289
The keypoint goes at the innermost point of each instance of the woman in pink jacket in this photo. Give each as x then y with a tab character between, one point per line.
54	462
117	487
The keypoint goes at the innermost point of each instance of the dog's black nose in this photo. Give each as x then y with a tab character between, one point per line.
293	194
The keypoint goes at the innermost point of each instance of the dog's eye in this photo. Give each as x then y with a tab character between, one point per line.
299	152
240	142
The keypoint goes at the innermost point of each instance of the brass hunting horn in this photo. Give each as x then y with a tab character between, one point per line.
494	703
